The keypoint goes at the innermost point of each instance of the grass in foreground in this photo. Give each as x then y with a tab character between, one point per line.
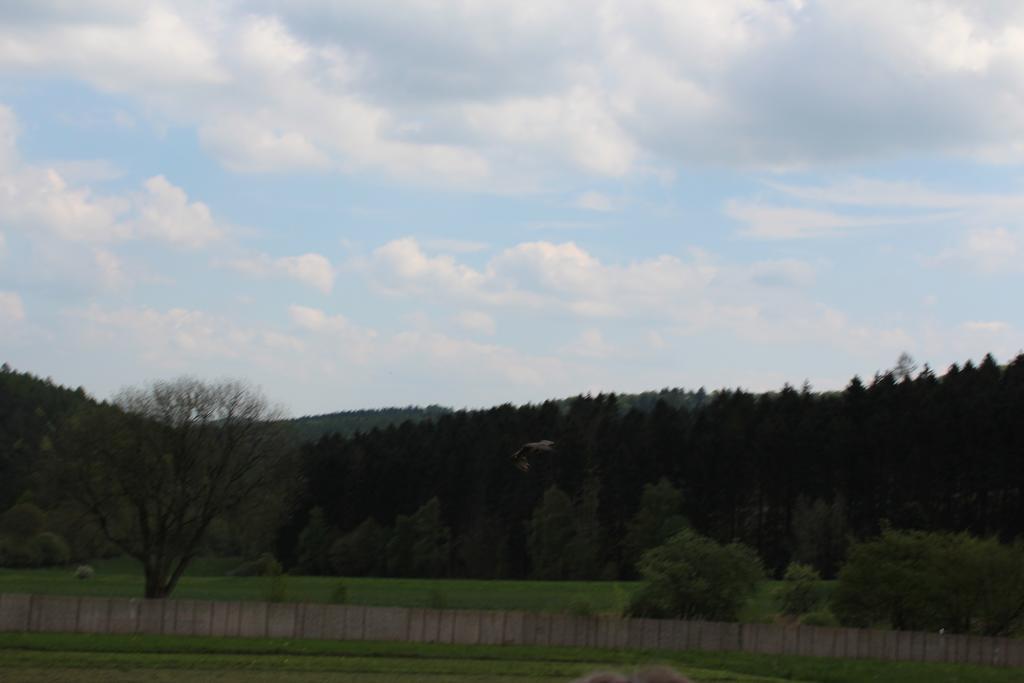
60	657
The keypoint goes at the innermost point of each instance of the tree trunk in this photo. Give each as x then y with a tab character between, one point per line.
156	588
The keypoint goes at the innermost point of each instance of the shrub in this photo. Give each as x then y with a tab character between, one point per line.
799	591
657	520
52	549
314	544
819	534
276	589
360	552
580	607
84	571
693	577
22	522
929	581
821	617
17	553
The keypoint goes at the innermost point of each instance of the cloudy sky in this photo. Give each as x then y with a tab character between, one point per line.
360	204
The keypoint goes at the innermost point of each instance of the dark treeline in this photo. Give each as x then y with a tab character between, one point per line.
793	474
30	410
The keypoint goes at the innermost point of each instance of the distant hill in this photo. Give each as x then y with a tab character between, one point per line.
30	409
350	422
31	406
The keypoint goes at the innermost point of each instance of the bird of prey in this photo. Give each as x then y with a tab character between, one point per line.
521	457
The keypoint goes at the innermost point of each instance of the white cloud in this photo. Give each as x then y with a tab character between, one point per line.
86	171
310	269
655	340
335	336
991	326
590	344
874	193
543	274
594	201
970	339
165	213
767	303
784	222
503	94
39	199
981	247
477	321
783	273
562	225
989	250
316	320
244	145
402	266
578	123
8	138
454	246
34	199
110	269
11	308
127	48
993	249
337	346
462	359
178	338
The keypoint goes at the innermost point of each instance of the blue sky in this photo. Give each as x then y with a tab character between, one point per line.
360	204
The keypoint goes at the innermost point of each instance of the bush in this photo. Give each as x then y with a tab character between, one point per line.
84	571
580	607
799	591
314	545
929	581
821	617
52	549
17	553
693	577
360	552
22	522
276	589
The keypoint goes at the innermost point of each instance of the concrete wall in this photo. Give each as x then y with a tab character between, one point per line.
55	614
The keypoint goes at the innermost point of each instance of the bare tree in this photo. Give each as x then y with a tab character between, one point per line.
156	467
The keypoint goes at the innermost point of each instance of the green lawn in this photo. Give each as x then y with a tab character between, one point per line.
206	580
58	657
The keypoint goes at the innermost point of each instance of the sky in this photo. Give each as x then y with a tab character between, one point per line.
364	204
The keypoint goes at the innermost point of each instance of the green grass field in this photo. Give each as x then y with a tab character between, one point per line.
206	580
32	658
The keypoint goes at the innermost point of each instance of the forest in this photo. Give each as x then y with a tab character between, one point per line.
794	474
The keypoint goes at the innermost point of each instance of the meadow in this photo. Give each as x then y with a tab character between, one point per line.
32	658
39	658
206	580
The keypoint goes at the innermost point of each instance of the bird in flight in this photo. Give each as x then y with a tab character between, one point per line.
521	458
